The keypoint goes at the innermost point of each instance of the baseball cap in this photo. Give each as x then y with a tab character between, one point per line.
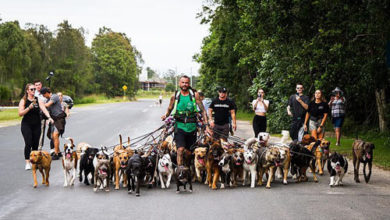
222	89
45	90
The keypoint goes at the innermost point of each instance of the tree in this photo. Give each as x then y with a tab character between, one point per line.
151	73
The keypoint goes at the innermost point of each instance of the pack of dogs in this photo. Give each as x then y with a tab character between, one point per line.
213	162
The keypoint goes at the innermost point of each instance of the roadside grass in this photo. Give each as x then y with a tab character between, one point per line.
9	114
244	116
381	151
152	94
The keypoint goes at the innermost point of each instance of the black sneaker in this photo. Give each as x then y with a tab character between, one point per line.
59	154
55	157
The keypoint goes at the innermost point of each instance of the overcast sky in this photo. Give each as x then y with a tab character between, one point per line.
165	31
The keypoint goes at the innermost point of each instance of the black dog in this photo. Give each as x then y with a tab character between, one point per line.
135	172
337	166
183	176
150	169
226	164
86	164
301	159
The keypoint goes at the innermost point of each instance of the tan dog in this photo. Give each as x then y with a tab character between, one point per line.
40	160
121	147
269	159
321	153
285	159
200	161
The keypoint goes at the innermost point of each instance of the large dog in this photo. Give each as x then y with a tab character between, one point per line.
120	161
268	160
250	165
301	159
102	174
200	162
86	165
165	170
69	163
226	164
320	149
135	172
337	167
285	159
362	152
40	160
213	157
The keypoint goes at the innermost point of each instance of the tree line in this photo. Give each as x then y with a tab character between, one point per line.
31	53
322	44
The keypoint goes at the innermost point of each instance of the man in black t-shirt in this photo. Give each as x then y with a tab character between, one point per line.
223	108
297	107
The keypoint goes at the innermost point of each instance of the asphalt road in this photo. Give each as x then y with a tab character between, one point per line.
101	124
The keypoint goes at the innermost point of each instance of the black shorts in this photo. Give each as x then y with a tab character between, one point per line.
222	131
185	139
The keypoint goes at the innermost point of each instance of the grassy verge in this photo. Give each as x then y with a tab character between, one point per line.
153	94
381	152
244	116
9	114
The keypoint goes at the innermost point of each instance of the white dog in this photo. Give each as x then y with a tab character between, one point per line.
165	170
69	163
263	138
250	163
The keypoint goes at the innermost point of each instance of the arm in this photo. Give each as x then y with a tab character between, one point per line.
44	110
265	106
211	121
48	104
254	105
233	114
22	111
304	105
170	108
289	111
67	111
306	119
324	119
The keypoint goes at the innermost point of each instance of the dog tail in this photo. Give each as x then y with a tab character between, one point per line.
120	141
128	141
70	139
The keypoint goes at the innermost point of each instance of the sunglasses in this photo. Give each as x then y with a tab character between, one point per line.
32	89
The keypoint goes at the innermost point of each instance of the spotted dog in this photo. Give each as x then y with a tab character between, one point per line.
102	175
165	170
337	167
268	160
226	165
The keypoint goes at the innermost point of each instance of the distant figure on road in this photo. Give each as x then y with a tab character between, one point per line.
297	107
316	115
260	106
183	107
29	107
337	105
58	127
160	98
223	108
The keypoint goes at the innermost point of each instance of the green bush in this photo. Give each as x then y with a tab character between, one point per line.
85	100
5	94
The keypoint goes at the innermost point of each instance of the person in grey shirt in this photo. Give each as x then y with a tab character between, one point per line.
58	127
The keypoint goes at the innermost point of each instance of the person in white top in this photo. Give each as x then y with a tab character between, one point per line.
260	106
160	98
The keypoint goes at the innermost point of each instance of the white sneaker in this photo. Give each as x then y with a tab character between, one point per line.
28	166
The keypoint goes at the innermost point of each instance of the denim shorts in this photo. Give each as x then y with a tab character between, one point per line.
338	122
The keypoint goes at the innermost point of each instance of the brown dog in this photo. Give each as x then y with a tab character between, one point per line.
238	162
285	159
200	161
40	160
308	139
362	152
120	160
269	159
213	157
320	149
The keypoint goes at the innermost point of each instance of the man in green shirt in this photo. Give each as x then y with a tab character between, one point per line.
183	107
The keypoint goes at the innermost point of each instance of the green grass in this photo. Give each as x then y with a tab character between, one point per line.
9	114
153	94
244	116
381	152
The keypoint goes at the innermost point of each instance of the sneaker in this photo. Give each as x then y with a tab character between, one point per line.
59	154
55	157
28	166
52	152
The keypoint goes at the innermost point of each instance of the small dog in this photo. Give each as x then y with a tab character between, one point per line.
301	159
86	165
337	166
40	160
69	163
263	138
362	152
320	149
183	176
102	174
135	172
200	162
285	137
238	161
250	166
268	160
165	170
80	151
226	164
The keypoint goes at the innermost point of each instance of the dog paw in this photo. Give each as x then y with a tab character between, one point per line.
116	187
107	190
162	187
341	184
190	190
268	187
316	181
222	186
47	184
285	182
95	189
35	185
252	187
167	186
214	187
129	192
137	194
178	191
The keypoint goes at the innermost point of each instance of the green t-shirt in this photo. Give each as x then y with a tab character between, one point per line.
185	105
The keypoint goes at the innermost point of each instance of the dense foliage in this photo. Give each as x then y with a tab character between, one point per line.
323	44
31	53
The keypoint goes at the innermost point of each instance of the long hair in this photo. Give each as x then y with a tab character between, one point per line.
25	91
322	96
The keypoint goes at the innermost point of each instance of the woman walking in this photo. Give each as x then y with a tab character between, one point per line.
337	105
31	123
260	106
316	115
